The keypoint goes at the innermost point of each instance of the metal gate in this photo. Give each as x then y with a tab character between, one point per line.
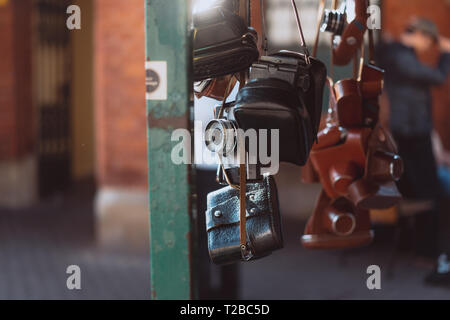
52	91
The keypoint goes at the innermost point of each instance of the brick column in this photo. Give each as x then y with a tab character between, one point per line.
121	122
17	162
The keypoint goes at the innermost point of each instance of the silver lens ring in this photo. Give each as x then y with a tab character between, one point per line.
220	136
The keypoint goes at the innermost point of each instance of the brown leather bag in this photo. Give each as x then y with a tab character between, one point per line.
216	88
357	166
352	36
377	190
337	224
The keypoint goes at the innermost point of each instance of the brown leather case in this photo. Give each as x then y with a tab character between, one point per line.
217	88
337	224
349	102
341	164
383	167
357	166
353	35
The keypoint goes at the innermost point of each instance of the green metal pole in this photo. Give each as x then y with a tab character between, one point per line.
168	54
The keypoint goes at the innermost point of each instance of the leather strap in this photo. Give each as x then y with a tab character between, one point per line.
319	20
219	115
371	47
361	61
257	22
332	117
300	31
243	211
246	253
243	10
334	7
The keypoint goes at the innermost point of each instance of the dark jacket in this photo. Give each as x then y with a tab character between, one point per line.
408	83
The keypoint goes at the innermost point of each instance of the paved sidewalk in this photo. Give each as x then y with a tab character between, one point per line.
37	245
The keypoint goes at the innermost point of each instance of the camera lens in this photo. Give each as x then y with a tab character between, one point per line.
220	136
333	21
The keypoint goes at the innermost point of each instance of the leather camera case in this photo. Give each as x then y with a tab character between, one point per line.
308	79
264	233
352	36
274	104
357	166
337	224
223	44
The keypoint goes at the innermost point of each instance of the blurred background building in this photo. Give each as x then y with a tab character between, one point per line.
73	157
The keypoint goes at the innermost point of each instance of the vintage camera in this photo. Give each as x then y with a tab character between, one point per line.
263	222
284	93
306	74
223	43
222	138
334	21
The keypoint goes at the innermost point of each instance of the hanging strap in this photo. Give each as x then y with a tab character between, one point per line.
334	7
361	60
244	10
320	14
371	47
332	117
242	187
219	116
300	31
245	252
258	22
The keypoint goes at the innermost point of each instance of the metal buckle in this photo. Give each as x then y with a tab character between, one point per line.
246	254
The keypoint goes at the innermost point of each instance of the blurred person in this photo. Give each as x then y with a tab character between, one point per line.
443	163
408	84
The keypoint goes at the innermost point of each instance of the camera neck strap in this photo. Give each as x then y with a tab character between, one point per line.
300	31
332	117
362	58
320	14
242	187
258	22
245	252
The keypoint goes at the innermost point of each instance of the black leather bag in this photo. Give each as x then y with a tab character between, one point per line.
274	104
284	94
263	222
223	43
267	104
306	74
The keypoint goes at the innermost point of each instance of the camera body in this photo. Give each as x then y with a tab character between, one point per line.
283	101
306	74
222	137
223	43
334	21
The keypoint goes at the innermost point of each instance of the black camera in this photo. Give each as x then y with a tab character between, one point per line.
305	74
231	138
334	21
223	43
284	94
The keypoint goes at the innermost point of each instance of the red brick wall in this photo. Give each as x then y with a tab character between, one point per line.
16	132
120	93
395	15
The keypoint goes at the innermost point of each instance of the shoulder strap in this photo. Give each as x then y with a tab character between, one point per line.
257	22
332	117
320	14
